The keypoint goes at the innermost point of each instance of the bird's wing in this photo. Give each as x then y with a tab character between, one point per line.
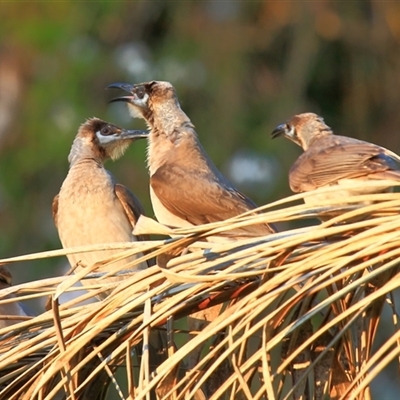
338	157
133	209
131	205
201	200
54	209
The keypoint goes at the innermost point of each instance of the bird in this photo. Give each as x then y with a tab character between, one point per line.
333	160
12	309
91	207
186	188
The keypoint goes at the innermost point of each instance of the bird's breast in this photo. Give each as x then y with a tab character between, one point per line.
89	211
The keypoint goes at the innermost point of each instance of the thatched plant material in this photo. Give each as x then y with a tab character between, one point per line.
301	317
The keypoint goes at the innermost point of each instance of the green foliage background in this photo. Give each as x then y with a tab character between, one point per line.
240	68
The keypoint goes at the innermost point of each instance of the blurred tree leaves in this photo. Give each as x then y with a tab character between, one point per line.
240	69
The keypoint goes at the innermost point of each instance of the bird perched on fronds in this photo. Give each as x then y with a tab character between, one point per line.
186	188
91	207
333	160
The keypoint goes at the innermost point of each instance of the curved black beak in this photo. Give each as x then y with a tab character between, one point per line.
127	99
280	130
133	134
121	85
127	87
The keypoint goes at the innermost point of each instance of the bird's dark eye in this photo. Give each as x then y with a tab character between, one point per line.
140	92
105	131
289	129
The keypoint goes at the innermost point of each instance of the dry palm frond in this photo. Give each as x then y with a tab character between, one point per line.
300	317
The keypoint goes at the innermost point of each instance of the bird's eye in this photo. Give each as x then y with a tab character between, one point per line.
291	130
140	93
105	131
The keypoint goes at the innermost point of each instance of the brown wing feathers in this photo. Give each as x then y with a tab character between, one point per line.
337	157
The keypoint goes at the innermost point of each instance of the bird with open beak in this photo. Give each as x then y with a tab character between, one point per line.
186	188
91	207
333	160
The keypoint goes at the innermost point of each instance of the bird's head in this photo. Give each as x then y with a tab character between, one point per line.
302	129
105	140
147	99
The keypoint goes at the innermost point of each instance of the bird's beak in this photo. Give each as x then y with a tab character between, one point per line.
280	130
137	100
127	87
121	85
133	134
